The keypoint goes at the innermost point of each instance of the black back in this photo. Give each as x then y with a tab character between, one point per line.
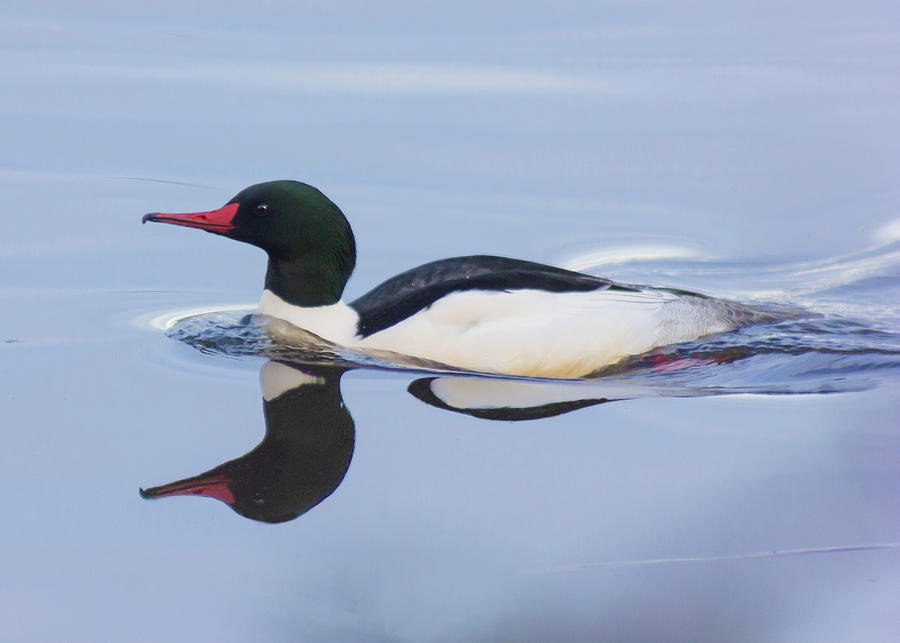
414	290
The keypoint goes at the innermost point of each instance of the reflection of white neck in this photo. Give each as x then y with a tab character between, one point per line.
336	323
276	379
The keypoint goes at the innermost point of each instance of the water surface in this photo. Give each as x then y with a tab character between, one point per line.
738	488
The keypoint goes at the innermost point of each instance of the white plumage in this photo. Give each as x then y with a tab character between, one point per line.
524	332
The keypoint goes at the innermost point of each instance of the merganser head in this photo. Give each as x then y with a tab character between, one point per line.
310	245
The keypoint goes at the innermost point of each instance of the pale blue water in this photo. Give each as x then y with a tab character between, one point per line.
741	488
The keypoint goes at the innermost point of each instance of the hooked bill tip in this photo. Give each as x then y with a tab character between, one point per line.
150	216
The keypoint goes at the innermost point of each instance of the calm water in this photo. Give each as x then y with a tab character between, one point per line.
742	487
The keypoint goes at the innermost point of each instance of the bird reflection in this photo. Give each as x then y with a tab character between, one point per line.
302	458
309	437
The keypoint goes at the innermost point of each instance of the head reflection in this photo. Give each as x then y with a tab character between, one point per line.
302	458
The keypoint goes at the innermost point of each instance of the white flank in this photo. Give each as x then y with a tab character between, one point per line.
539	333
276	379
522	332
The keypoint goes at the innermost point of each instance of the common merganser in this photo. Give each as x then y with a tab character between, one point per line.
480	313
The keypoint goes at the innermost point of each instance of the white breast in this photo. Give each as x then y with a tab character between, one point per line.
335	323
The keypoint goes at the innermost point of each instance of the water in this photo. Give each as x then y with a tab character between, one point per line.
742	487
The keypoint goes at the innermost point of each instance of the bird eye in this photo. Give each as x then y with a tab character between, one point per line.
262	209
258	498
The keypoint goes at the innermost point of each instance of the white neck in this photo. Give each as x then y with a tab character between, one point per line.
336	323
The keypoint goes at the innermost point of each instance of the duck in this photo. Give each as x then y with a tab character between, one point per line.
478	313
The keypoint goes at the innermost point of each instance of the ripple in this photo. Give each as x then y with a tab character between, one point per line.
166	320
241	333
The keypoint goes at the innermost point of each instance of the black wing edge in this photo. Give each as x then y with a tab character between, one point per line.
414	290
